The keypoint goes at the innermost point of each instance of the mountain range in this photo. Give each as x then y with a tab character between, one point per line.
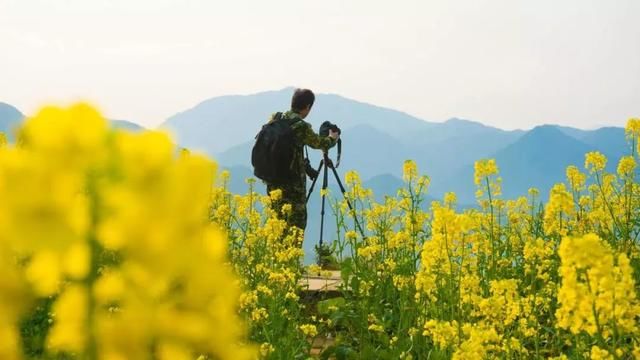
377	140
11	118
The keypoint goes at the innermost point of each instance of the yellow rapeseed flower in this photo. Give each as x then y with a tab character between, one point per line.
266	349
309	330
376	328
576	179
45	272
74	190
409	170
275	195
558	210
77	260
595	162
484	169
70	311
626	166
632	130
443	333
600	354
597	292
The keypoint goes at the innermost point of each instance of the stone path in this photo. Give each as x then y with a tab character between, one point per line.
316	282
316	286
319	343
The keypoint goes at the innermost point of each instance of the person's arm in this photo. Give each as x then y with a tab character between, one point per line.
310	138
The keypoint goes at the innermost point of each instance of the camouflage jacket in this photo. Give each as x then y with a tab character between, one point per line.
305	136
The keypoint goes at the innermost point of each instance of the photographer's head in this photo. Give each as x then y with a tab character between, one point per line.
302	101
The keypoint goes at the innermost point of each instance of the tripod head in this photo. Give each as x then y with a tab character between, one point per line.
325	127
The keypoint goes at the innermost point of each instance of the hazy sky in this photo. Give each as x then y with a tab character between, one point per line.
508	63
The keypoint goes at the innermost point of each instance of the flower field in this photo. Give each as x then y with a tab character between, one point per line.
116	245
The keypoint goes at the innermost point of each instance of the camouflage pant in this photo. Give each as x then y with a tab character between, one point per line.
296	196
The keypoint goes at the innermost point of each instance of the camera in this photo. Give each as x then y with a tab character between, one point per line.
326	126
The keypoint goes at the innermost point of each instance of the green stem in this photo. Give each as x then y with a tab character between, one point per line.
491	224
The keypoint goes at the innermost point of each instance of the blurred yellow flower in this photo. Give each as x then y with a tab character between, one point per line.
70	313
376	328
45	273
309	330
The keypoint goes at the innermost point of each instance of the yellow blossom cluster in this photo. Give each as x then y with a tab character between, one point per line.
114	226
598	291
266	254
486	173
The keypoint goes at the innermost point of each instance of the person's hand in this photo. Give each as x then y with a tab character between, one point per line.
311	172
334	135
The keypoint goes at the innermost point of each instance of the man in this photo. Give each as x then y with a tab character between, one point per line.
294	192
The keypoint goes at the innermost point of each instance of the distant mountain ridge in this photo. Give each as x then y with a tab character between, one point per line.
538	159
377	140
11	118
233	120
126	125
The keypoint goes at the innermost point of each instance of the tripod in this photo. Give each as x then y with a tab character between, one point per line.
325	165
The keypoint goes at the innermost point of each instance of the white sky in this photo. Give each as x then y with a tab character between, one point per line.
507	63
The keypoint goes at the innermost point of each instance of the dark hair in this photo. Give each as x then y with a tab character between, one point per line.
301	99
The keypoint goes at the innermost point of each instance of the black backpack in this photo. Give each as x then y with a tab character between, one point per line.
272	154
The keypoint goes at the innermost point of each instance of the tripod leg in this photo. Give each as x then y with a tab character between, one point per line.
313	184
344	193
325	181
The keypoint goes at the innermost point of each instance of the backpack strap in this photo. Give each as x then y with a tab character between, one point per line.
279	116
295	122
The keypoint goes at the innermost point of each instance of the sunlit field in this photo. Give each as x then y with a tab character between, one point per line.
118	245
